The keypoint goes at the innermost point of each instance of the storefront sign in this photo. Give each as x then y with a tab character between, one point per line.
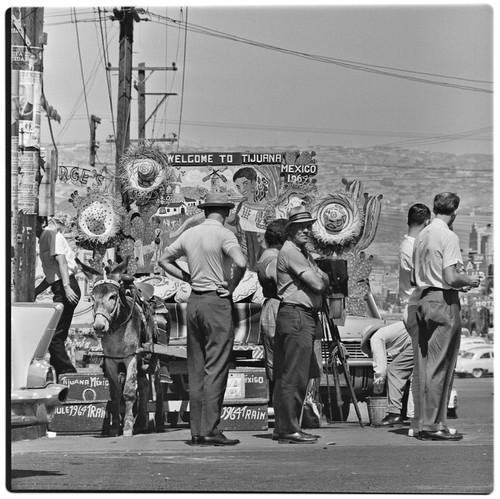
80	176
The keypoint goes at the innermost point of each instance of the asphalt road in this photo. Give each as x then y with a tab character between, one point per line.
347	459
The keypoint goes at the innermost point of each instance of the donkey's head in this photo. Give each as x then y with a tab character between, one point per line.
106	293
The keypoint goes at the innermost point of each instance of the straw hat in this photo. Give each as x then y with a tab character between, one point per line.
299	215
216	200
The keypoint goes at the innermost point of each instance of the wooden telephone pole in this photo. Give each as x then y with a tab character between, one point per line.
126	16
141	91
27	32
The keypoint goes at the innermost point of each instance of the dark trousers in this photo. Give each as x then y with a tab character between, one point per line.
58	356
438	318
294	364
412	328
210	338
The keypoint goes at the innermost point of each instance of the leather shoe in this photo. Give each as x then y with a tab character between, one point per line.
310	435
439	435
390	420
218	440
195	440
276	436
296	438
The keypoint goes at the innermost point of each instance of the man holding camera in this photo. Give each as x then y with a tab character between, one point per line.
301	285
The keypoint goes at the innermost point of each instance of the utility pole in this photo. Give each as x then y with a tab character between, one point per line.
27	38
140	86
94	121
126	16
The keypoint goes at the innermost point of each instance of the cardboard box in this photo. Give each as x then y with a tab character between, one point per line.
80	418
86	387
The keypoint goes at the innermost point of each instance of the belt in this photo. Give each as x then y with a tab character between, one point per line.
302	307
441	290
203	292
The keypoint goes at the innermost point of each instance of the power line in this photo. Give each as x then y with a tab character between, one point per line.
371	68
81	67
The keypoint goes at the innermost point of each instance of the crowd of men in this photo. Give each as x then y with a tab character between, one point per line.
423	347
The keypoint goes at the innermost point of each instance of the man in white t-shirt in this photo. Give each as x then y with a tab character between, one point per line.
59	268
419	216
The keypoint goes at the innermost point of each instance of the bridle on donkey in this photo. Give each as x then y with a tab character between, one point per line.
113	312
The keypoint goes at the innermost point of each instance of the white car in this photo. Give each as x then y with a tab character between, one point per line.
34	391
477	362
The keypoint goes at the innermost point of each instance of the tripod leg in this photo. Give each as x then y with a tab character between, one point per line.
336	378
324	355
347	374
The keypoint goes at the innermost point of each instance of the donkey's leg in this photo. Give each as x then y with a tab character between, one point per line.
159	415
142	415
130	395
115	392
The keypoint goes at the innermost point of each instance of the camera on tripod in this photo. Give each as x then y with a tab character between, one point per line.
338	288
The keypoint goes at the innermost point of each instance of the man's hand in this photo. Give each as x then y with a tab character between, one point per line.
71	295
223	289
474	281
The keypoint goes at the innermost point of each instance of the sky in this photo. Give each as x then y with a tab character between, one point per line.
282	74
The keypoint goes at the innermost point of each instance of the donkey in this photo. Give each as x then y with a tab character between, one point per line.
120	321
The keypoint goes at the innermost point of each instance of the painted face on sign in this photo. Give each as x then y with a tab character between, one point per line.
245	186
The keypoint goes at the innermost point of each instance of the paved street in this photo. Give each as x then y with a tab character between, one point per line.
347	459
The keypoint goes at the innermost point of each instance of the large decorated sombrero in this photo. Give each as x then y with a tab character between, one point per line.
144	172
98	220
339	222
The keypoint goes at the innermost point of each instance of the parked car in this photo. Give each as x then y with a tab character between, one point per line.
34	391
477	362
471	342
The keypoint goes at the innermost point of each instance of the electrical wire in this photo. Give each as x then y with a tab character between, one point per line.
371	68
81	68
183	83
105	46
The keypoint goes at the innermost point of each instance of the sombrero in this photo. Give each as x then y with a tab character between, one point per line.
99	218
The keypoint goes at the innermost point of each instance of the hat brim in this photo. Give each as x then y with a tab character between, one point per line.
365	341
216	205
303	221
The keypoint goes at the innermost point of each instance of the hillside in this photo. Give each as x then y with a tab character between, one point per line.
402	176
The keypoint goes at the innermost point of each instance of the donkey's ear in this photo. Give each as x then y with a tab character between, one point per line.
121	268
89	272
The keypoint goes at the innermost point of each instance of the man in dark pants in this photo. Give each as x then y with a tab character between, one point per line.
436	255
300	286
59	267
216	266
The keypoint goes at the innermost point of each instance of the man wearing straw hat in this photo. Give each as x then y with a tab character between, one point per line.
301	285
216	265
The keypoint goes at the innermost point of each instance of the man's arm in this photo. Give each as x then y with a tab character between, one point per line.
63	269
457	280
316	280
379	358
168	263
239	268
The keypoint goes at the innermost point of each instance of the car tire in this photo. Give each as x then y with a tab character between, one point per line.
477	373
452	413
